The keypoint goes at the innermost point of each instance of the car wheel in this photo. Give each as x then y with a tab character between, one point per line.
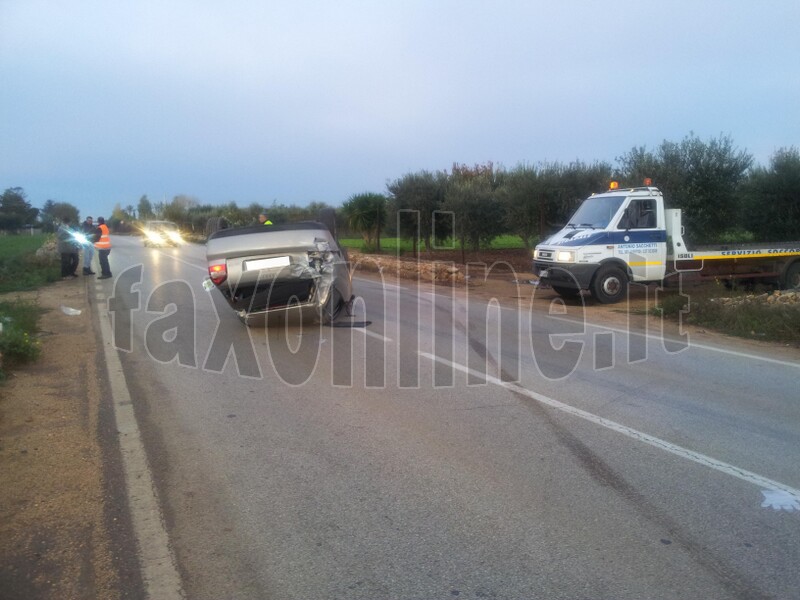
610	284
332	308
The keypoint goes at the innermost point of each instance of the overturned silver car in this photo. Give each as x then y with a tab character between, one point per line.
263	269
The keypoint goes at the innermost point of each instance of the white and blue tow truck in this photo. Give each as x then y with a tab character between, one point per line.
627	235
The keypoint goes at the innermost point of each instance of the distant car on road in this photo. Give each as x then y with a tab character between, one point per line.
161	233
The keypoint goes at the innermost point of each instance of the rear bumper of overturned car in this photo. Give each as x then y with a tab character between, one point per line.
274	295
303	296
287	269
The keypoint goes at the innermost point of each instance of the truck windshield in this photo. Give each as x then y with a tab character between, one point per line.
596	212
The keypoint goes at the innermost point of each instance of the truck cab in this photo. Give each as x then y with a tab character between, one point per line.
613	238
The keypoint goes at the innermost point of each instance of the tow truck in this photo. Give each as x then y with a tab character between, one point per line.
627	235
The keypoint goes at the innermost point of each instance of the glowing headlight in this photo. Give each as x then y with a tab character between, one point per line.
154	236
565	256
175	237
80	238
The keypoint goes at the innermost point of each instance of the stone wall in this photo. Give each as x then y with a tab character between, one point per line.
426	270
776	298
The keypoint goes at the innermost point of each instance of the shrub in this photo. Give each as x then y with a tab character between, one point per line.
18	342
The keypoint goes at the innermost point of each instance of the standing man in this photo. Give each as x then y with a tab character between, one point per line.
89	231
263	219
103	245
68	246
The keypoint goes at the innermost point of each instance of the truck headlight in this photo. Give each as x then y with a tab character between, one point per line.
565	256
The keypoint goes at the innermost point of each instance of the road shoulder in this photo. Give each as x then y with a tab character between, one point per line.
64	530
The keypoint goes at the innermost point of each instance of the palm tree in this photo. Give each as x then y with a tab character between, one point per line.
366	214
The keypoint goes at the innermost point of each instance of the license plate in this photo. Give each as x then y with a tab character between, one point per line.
543	273
267	263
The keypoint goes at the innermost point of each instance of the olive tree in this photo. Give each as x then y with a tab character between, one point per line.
421	194
478	212
53	213
15	210
771	198
523	201
701	178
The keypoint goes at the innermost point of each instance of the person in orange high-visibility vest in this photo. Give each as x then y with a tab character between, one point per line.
103	245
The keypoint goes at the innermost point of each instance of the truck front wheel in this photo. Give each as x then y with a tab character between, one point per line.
610	284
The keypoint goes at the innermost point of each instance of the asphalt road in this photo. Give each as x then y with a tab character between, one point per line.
450	450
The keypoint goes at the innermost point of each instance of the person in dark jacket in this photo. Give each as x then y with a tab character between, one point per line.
90	231
68	247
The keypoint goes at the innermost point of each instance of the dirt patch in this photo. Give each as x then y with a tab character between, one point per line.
55	540
496	261
517	260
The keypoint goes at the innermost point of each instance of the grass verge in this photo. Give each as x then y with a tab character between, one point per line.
748	316
21	269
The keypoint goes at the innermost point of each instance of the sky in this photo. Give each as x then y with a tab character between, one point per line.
102	102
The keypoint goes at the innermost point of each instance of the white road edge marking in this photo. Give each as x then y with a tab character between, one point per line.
748	476
159	571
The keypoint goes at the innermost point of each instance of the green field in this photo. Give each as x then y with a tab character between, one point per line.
20	269
393	245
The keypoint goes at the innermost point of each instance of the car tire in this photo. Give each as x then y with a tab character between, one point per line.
332	308
610	284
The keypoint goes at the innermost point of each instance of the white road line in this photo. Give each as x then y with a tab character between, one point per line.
160	575
702	459
690	345
377	336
